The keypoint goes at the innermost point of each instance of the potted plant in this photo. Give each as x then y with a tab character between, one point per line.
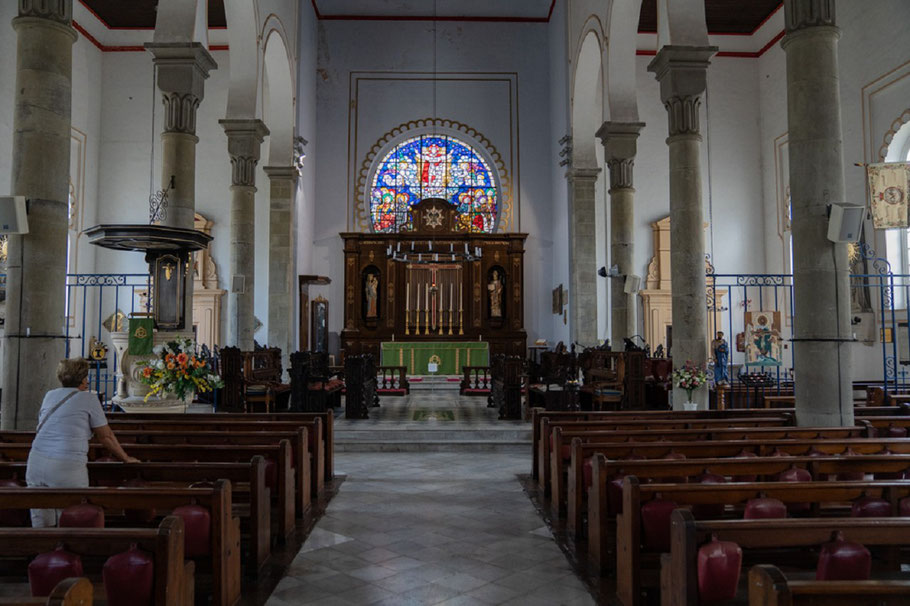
690	377
178	369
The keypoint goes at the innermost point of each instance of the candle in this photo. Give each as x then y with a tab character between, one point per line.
435	257
427	294
407	296
418	299
460	299
451	247
451	297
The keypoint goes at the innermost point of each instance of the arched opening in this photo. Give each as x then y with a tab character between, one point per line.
587	153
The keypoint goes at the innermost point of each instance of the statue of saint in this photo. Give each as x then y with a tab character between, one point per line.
495	288
721	355
372	288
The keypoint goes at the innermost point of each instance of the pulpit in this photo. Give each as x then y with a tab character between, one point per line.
434	283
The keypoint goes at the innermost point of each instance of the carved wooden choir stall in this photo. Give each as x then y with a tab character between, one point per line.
433	299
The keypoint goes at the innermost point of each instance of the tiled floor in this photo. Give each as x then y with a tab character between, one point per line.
430	528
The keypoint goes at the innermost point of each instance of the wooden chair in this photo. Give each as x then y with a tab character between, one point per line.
607	382
252	378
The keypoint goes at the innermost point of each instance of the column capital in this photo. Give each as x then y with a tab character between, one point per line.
245	139
682	73
60	11
182	71
281	173
802	14
620	139
681	70
582	174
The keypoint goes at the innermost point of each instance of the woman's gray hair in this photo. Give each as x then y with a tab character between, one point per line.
71	372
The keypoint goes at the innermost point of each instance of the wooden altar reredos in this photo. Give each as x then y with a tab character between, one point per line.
433	283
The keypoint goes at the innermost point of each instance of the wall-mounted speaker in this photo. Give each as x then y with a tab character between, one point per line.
13	215
845	222
632	284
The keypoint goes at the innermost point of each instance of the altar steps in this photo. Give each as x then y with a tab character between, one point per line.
515	439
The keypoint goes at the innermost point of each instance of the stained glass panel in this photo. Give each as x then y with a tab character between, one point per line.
433	166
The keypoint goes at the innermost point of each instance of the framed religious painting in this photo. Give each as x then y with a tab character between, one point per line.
763	338
319	325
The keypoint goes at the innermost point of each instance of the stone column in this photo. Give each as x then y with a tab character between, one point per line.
244	141
620	144
36	266
682	73
283	183
583	255
821	292
182	71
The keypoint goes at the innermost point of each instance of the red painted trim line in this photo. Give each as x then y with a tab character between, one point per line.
737	54
87	35
127	49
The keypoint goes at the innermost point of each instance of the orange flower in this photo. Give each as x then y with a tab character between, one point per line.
182	358
170	366
146	372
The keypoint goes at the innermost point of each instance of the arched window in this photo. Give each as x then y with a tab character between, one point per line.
433	166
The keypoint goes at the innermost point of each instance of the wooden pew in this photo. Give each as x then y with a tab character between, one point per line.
600	518
769	587
249	494
298	439
213	422
632	564
718	449
562	435
74	591
679	576
542	422
174	577
224	546
279	453
251	377
316	444
547	426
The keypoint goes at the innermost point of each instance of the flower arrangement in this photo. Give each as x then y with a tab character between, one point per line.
690	377
178	369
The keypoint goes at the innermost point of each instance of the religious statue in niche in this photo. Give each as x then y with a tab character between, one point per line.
721	355
763	342
371	291
495	289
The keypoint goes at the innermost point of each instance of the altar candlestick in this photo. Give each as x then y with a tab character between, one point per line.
407	306
451	306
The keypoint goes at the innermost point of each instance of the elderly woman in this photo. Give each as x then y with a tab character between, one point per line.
68	417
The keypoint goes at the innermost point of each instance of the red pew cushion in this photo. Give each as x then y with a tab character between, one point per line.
48	569
83	515
796	474
870	507
762	508
197	524
655	524
719	564
129	578
841	560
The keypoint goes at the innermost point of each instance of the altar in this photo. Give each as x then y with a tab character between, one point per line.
435	357
434	290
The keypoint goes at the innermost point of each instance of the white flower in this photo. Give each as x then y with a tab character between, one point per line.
159	364
158	350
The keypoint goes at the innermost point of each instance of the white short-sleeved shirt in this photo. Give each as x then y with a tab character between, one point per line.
66	433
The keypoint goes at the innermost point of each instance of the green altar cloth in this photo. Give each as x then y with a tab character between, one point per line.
449	356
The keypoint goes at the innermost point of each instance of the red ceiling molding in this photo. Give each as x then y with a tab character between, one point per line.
127	49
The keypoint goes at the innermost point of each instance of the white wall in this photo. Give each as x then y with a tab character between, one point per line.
558	236
873	55
501	93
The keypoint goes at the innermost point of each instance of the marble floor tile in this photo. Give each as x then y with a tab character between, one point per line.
428	528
